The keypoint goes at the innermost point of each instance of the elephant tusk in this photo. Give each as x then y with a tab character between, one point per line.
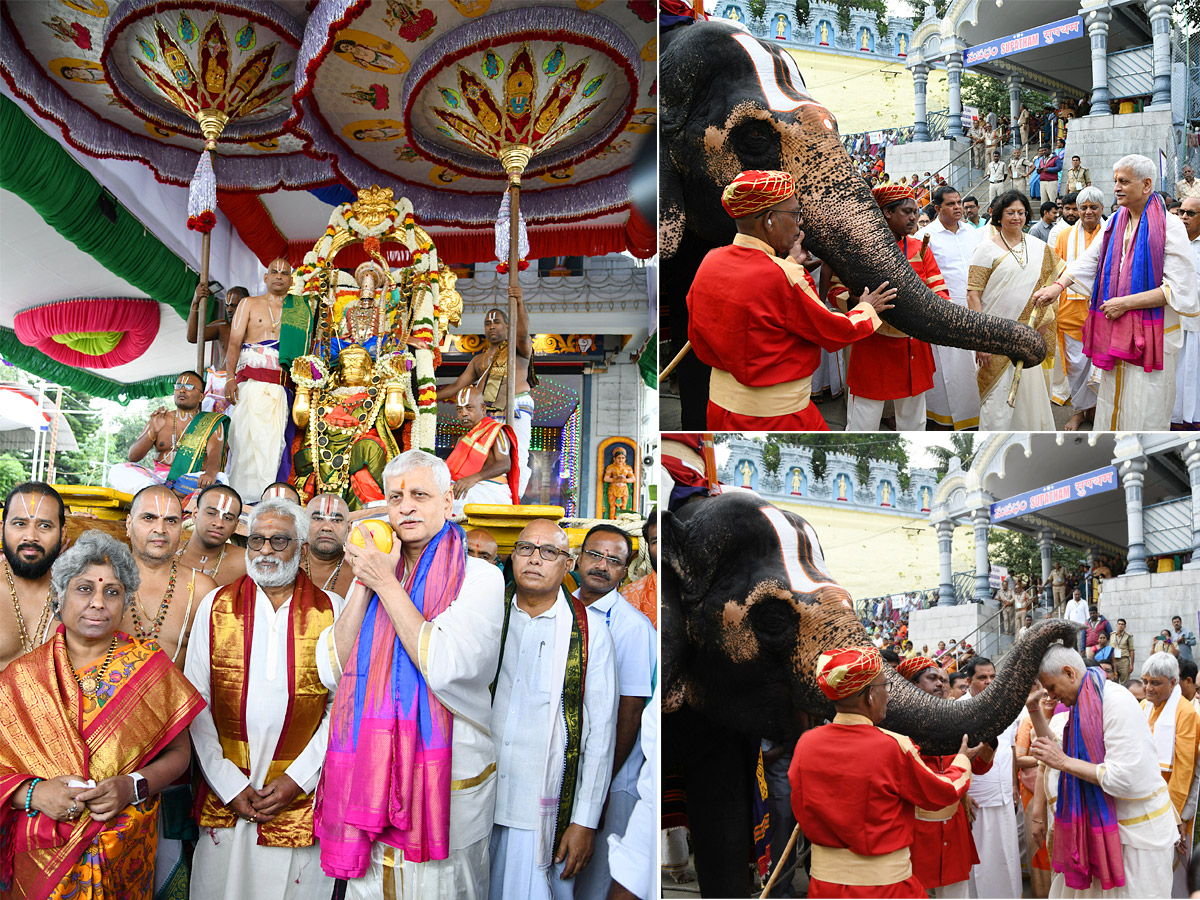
1034	319
687	348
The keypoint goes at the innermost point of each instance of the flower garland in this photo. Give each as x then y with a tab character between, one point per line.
310	371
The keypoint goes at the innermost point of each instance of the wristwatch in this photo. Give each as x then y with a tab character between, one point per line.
141	790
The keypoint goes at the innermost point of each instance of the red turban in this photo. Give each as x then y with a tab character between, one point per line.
756	190
844	672
917	664
890	193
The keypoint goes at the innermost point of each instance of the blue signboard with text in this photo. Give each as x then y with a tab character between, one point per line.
1043	36
1096	482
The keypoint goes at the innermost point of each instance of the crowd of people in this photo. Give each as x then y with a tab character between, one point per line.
372	708
1122	340
1089	792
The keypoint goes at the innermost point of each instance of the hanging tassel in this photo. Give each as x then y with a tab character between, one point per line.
202	196
502	238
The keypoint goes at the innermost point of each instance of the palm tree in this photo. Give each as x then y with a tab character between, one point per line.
962	448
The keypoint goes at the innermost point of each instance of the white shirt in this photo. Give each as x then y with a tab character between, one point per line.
267	692
953	251
1192	323
995	786
458	655
1059	227
636	645
529	696
1076	611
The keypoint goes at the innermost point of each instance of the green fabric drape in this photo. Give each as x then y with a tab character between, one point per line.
33	360
648	364
34	167
93	343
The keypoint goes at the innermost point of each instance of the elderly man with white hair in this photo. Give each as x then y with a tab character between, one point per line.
261	740
1113	825
1071	244
406	801
1176	728
1141	279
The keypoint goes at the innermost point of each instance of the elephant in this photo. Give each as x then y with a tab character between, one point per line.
731	102
748	605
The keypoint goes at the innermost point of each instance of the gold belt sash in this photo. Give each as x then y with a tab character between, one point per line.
771	400
837	865
945	814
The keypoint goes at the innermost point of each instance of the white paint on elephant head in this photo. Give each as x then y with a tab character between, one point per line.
789	549
764	67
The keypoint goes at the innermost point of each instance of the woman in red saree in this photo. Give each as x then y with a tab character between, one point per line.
92	726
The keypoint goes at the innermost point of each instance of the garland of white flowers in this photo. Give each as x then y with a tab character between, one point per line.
426	283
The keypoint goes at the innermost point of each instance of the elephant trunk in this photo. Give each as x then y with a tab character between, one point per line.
845	228
937	726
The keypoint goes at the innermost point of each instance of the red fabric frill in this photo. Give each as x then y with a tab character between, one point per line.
137	318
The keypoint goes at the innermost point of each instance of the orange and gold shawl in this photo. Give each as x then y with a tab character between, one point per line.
310	613
470	454
49	728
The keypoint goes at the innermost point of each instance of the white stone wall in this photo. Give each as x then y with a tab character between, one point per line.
902	160
615	410
946	623
1101	140
1147	602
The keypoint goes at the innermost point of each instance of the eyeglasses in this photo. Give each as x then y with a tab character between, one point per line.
546	552
795	213
186	385
278	541
600	557
886	685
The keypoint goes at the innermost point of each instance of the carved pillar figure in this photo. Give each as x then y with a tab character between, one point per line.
954	67
945	533
1045	546
920	124
1191	457
1159	13
1133	473
1097	25
982	519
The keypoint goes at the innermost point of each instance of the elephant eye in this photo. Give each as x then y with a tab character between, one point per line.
756	140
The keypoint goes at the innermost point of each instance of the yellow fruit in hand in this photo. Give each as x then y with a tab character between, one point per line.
381	533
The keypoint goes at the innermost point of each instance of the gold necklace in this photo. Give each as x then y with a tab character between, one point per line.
1013	250
331	579
91	683
26	644
150	633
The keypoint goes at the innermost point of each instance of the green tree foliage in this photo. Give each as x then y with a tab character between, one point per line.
990	95
962	447
12	473
1018	552
758	9
844	8
939	7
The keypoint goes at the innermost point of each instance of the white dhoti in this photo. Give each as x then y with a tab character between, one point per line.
1132	399
257	424
1187	380
226	857
463	875
1080	374
485	492
998	873
522	426
130	478
830	374
1060	384
954	399
1030	412
1147	874
864	414
960	890
513	873
594	881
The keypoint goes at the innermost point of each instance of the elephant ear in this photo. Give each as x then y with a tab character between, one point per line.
672	627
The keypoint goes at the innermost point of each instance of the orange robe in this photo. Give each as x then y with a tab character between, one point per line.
643	594
470	454
855	789
757	320
890	365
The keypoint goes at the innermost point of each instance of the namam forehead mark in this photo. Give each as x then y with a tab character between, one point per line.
223	503
31	513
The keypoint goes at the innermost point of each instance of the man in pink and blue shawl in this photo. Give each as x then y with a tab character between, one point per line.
1100	794
405	803
1142	279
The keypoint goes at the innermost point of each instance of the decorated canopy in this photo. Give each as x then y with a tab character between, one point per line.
303	102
